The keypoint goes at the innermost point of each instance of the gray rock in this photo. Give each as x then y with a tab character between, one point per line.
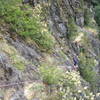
19	95
80	19
62	28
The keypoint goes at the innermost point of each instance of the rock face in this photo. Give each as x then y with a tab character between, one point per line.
12	75
62	10
80	19
8	73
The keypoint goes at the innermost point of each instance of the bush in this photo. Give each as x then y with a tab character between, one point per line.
95	2
97	14
26	22
72	29
87	17
50	74
71	88
87	66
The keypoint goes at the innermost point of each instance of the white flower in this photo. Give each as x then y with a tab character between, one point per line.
79	91
85	88
75	98
91	94
98	94
92	98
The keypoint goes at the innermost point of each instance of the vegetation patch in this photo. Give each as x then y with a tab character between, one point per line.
87	68
50	74
87	17
72	28
96	4
97	14
17	61
69	84
26	22
71	88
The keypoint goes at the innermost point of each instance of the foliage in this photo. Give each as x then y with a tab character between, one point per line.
87	16
50	74
87	66
71	88
17	61
71	27
70	84
26	22
96	4
97	14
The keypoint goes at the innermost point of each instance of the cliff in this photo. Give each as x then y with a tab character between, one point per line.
37	48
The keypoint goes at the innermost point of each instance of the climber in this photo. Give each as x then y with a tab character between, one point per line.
75	61
31	2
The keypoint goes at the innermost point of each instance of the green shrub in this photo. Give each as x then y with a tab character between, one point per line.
86	69
26	22
95	2
87	17
97	14
72	29
50	74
